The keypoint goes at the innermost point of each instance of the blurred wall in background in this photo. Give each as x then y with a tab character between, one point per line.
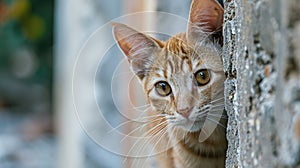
39	43
26	50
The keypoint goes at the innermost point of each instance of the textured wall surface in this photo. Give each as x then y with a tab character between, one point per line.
261	62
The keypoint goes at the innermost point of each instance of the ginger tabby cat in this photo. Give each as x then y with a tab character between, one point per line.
183	81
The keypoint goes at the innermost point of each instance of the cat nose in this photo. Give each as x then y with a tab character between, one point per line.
185	112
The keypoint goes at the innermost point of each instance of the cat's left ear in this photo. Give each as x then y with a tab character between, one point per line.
205	20
139	48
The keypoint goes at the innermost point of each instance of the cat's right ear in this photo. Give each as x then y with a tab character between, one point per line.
138	47
205	20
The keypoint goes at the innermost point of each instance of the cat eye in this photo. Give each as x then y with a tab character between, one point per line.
163	88
202	77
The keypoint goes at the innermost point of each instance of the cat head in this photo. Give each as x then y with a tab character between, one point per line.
182	77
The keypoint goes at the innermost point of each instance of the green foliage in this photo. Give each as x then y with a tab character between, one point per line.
27	25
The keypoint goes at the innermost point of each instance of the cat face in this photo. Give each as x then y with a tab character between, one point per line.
182	77
186	83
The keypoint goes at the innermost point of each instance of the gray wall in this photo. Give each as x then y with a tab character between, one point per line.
261	61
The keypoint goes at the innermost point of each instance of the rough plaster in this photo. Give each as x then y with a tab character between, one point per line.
262	90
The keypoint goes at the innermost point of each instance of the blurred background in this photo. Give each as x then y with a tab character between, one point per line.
39	44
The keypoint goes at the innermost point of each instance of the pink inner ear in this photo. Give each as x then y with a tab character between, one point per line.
206	15
132	41
137	46
123	36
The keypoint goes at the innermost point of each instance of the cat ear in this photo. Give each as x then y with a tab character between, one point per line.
138	47
206	19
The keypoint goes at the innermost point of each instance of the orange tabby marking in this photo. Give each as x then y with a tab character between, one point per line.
183	81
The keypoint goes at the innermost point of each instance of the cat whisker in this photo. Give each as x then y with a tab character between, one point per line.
198	47
216	122
149	116
220	109
142	119
145	144
211	102
138	117
142	106
139	128
149	140
172	129
218	115
122	124
137	120
170	118
217	106
160	125
214	102
134	145
154	147
200	117
124	160
205	133
150	153
217	103
141	111
208	113
175	122
218	99
203	129
203	111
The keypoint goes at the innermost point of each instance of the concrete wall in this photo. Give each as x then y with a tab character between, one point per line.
261	62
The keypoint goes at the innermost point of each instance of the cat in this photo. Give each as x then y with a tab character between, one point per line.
183	80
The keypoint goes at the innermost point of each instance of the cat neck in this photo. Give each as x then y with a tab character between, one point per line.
189	152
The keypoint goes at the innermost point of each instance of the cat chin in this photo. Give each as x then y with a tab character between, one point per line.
192	126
